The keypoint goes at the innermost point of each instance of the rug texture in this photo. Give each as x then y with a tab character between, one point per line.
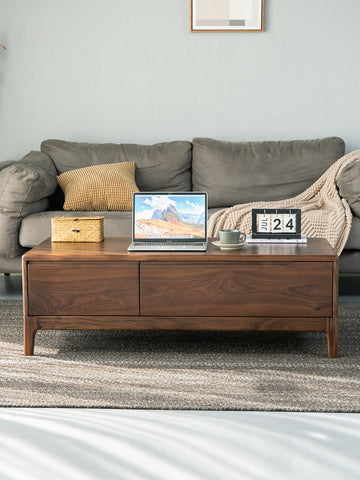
180	370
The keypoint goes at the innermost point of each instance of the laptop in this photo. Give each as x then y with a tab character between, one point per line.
169	221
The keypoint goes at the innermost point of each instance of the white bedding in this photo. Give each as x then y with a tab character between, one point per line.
81	444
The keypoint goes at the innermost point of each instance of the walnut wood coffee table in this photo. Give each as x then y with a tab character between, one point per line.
268	287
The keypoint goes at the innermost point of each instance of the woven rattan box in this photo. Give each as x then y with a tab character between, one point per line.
77	229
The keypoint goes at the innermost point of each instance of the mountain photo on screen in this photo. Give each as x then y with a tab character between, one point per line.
167	216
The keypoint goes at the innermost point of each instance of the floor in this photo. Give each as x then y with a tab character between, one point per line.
176	445
87	444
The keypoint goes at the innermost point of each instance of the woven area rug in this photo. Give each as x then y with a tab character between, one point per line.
180	370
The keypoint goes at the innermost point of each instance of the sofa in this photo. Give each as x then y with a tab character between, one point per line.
231	173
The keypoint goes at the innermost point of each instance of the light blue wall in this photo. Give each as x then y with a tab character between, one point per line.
131	71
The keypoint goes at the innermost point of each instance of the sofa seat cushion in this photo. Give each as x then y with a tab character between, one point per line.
349	262
353	241
160	167
36	228
234	173
100	187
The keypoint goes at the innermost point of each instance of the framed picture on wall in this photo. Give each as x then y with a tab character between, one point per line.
227	15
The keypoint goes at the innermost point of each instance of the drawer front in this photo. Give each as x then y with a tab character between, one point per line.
81	288
278	289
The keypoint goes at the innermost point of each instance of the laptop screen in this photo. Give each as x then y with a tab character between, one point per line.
170	216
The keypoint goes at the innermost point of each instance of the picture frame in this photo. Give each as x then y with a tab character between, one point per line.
227	16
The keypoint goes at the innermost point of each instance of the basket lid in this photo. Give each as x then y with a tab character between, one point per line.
75	219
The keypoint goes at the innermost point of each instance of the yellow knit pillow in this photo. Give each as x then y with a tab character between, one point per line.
101	187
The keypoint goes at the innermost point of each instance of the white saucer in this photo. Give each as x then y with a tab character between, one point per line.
228	246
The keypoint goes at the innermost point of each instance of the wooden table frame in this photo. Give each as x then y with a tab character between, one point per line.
261	287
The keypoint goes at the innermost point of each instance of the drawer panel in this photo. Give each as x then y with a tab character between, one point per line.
83	288
278	289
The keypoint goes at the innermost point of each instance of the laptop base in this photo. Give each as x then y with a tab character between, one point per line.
166	247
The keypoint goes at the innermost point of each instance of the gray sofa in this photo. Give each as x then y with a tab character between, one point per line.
230	172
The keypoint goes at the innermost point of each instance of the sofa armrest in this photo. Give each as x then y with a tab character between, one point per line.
348	184
24	189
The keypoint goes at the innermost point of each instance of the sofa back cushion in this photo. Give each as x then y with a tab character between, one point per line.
234	173
160	167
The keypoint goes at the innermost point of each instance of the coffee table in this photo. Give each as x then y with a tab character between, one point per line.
268	287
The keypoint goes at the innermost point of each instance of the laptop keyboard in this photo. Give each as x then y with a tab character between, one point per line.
164	246
161	244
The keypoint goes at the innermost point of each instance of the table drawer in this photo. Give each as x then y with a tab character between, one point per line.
279	289
83	288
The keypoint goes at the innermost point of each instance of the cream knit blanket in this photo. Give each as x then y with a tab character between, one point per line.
323	212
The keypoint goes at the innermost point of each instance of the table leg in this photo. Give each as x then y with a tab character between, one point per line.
30	328
332	337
